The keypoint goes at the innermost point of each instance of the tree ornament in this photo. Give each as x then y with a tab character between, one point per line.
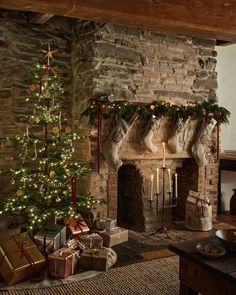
52	173
19	193
152	107
68	129
32	88
151	127
112	143
48	54
178	137
200	145
55	130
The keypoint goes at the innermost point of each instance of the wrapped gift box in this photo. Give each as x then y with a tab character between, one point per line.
91	241
96	259
106	223
51	238
20	259
115	236
76	226
63	262
75	244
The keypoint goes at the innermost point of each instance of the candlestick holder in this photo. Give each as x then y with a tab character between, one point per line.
152	201
172	202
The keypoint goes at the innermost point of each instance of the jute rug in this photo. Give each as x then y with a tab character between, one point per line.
155	277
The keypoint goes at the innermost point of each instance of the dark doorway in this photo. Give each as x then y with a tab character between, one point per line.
130	205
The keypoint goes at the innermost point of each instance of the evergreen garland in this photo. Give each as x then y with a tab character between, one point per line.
126	110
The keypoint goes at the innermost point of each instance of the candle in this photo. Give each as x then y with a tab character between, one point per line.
169	178
158	185
151	190
176	186
164	154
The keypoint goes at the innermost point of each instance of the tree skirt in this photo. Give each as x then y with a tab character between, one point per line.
159	276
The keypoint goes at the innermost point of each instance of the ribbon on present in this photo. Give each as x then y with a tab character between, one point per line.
93	253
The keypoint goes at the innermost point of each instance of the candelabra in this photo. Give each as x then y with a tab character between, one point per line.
172	198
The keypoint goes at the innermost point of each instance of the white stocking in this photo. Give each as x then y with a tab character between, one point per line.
113	142
153	125
177	139
200	144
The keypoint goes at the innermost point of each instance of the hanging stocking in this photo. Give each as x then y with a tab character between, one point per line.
152	125
200	144
113	142
177	139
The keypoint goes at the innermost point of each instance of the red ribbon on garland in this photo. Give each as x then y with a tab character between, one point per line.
99	134
73	191
218	137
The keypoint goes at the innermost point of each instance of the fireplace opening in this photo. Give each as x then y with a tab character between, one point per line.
130	203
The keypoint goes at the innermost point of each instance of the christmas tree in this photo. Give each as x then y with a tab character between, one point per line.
47	171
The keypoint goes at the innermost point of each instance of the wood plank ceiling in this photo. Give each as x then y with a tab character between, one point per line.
207	18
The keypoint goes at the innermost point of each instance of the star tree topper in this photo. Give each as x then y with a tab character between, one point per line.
49	54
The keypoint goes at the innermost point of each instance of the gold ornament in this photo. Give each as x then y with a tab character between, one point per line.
32	88
19	193
68	129
52	173
152	107
55	130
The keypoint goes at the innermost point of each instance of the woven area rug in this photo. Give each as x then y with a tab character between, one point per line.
143	246
155	277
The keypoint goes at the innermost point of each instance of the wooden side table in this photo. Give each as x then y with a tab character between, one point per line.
208	276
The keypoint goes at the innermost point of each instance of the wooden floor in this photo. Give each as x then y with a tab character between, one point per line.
227	218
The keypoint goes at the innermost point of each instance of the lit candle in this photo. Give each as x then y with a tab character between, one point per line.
169	178
164	154
158	185
176	186
151	190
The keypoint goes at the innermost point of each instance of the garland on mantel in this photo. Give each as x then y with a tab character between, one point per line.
107	107
127	109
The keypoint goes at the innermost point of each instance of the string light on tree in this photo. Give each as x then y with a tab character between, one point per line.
42	180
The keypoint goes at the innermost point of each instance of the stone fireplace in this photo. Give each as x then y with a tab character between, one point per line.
142	66
132	64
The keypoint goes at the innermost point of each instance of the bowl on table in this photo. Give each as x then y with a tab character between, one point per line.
227	238
211	250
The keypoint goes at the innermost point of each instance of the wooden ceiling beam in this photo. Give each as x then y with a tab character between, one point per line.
212	19
40	18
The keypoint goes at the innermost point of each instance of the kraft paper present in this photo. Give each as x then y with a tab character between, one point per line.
51	238
96	259
115	236
20	259
63	262
91	241
76	226
106	223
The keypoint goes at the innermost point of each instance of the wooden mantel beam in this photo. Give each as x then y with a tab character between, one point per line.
207	18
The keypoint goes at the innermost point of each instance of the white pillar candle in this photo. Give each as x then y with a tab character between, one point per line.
164	154
176	185
158	184
169	178
151	189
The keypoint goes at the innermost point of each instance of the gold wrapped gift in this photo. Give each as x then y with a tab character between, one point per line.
20	259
